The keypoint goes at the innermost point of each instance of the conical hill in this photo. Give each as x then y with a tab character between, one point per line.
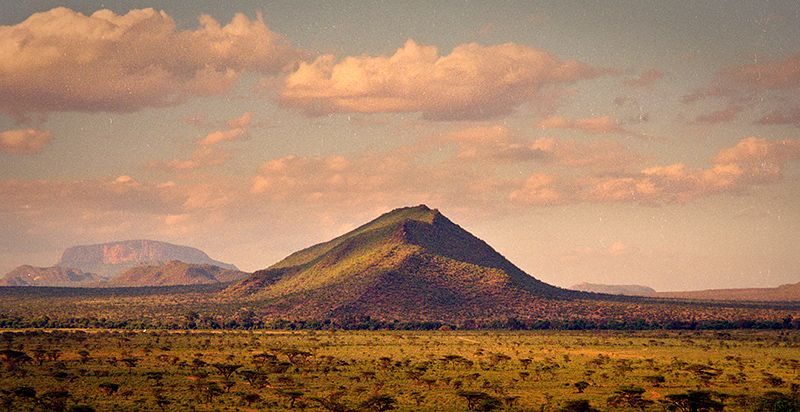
410	263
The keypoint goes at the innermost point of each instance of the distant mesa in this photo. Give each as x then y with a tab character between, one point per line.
102	264
633	290
408	263
111	259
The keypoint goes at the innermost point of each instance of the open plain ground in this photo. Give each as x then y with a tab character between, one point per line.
446	370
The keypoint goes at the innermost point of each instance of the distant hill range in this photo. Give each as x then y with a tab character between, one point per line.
176	273
27	275
636	290
408	263
785	293
102	264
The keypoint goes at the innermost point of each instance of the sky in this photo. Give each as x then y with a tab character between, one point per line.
629	142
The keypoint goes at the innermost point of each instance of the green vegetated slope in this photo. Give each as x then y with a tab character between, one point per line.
408	263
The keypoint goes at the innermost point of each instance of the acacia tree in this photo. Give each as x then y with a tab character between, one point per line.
379	403
292	395
695	401
226	369
580	405
629	397
479	400
14	358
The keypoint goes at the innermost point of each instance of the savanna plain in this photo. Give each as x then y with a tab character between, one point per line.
445	370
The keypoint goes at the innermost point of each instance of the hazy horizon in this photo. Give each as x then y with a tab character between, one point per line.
627	143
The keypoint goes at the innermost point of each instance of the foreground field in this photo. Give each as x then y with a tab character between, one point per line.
409	371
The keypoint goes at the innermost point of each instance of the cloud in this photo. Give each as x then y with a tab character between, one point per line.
647	79
222	136
236	130
719	116
752	161
62	60
207	154
790	115
749	86
24	141
500	145
336	179
542	189
593	125
741	80
492	144
242	122
473	82
760	154
203	156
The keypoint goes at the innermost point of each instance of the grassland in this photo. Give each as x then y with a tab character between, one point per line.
102	370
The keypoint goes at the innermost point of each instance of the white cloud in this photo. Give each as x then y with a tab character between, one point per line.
62	60
473	82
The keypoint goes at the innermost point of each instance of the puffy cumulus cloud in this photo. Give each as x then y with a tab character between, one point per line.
472	82
64	60
736	169
24	141
593	125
